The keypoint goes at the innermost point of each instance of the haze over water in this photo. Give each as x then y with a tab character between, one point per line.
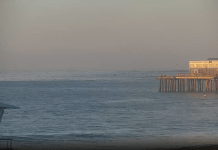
121	35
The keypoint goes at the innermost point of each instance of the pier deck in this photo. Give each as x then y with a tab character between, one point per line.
187	83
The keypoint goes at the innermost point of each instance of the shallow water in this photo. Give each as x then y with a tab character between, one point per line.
106	108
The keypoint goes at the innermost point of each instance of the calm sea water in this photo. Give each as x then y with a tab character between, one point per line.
103	108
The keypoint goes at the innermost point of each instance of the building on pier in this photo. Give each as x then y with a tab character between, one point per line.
202	76
208	67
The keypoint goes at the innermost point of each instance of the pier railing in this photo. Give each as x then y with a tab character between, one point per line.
182	74
8	142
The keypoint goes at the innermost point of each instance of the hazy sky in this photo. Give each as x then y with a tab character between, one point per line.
106	34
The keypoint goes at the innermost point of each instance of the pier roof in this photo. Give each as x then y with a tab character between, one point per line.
212	59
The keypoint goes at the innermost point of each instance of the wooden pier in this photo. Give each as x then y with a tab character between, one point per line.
186	83
202	77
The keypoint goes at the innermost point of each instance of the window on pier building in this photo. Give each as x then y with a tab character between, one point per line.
195	71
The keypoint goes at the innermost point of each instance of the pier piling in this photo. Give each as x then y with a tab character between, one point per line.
187	84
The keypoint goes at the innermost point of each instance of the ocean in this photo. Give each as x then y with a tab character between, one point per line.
103	109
